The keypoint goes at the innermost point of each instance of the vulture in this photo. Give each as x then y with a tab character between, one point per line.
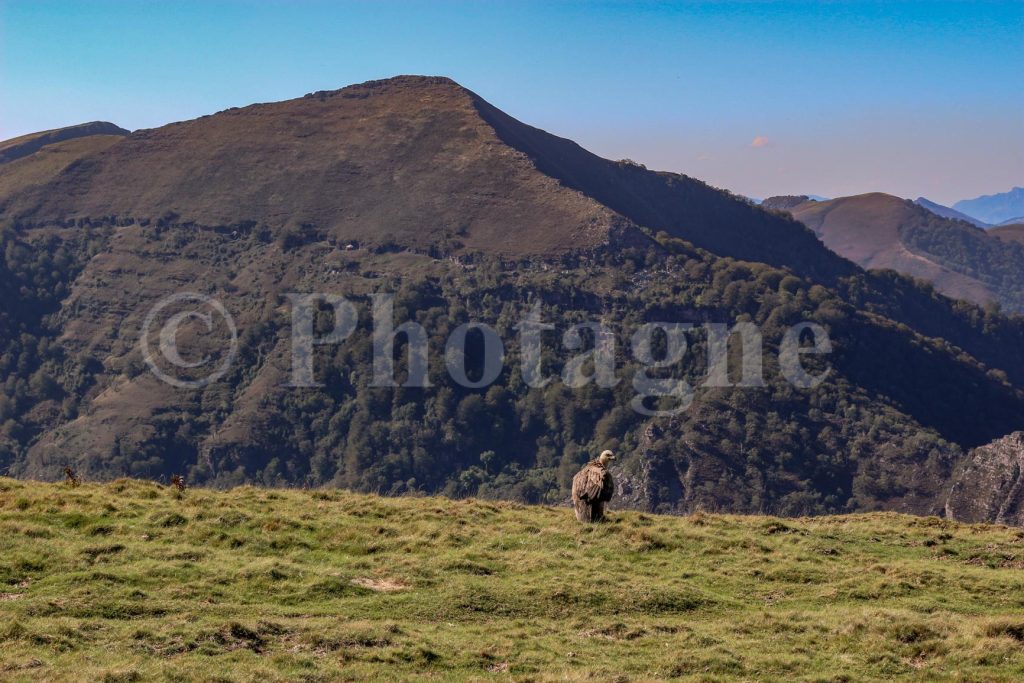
592	487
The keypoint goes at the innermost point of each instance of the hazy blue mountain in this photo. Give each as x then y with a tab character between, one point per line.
946	212
994	208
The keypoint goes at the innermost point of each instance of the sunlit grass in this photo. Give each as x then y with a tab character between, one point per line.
135	581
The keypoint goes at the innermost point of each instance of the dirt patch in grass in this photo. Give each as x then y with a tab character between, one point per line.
380	585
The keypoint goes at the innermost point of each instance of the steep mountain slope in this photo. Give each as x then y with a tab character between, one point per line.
46	163
677	204
881	231
417	187
994	208
946	212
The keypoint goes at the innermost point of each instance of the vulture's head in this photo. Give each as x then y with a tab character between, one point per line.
606	457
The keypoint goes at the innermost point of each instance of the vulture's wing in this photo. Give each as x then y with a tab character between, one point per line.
607	487
588	484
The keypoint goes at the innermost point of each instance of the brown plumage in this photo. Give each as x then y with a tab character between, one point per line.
592	487
71	479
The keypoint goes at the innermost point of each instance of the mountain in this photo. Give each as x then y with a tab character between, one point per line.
994	208
416	186
388	137
881	231
946	212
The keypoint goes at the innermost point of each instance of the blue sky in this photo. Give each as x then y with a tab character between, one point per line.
912	98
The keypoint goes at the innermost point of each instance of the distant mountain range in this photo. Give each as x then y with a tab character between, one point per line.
995	209
881	231
418	187
1003	209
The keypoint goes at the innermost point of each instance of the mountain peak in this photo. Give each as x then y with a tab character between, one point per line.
405	161
390	85
22	146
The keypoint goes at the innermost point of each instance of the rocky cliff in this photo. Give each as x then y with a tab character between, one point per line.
991	486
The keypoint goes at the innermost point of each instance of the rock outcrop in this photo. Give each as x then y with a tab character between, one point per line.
991	485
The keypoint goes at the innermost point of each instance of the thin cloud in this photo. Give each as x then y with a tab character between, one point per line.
759	141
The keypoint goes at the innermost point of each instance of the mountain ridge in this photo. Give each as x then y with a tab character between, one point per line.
946	212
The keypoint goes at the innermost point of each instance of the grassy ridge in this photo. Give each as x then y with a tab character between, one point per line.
135	581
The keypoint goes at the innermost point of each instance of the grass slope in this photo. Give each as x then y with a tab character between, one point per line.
135	581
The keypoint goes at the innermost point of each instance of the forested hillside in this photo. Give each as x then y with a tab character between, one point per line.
527	219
